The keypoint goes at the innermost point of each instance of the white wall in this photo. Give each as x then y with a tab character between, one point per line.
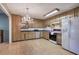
10	21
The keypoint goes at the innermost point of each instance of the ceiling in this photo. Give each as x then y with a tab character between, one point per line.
38	10
1	12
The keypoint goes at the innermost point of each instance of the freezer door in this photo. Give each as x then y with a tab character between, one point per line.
74	41
65	33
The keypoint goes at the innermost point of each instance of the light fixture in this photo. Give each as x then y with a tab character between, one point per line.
26	17
52	12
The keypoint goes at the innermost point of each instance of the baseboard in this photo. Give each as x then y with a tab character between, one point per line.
70	51
26	39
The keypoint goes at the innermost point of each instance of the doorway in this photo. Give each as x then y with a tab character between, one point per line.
4	27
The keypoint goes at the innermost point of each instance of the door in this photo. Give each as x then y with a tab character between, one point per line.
74	41
1	36
65	33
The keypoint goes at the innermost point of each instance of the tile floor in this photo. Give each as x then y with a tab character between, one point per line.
32	47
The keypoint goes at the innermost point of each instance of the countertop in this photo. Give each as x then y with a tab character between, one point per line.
41	30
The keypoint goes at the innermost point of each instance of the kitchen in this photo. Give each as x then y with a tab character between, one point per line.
56	28
36	30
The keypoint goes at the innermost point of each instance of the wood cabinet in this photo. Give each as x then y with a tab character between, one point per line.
41	34
28	35
31	35
16	34
37	24
59	39
46	35
24	35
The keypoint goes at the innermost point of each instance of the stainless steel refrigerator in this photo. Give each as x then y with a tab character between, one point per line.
70	33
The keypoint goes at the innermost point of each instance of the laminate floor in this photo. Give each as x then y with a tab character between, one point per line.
32	47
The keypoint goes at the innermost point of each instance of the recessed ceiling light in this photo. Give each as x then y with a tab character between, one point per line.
52	12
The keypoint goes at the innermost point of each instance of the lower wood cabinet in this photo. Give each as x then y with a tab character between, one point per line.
32	35
41	34
46	35
24	35
59	38
28	35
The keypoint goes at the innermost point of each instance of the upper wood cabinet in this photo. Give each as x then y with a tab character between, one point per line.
16	34
36	24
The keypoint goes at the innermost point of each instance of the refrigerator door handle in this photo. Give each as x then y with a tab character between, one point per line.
69	28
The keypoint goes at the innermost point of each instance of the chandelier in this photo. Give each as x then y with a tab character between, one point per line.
26	17
25	20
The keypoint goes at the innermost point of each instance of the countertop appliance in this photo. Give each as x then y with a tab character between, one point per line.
70	34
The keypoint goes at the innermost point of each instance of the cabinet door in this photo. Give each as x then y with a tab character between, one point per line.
59	38
24	35
15	28
41	34
30	35
33	35
46	35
